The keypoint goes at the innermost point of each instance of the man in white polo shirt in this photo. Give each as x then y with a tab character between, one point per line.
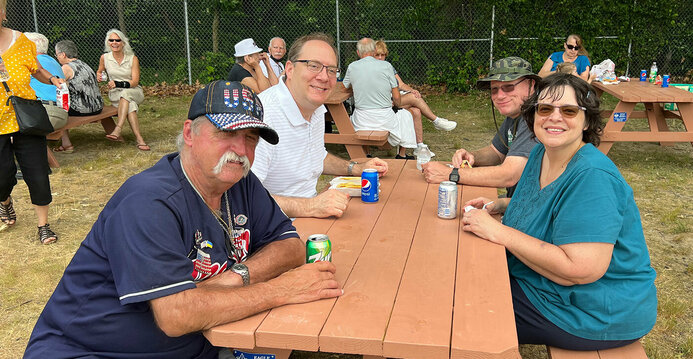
294	108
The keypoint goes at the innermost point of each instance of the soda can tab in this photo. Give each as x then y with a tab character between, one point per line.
369	185
643	75
665	81
447	200
318	248
469	208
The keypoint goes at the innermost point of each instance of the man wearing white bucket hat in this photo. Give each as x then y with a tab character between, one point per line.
247	68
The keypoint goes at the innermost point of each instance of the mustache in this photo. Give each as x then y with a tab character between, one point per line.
231	156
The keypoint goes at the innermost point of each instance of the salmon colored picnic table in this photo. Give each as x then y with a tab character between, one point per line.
653	97
353	140
415	285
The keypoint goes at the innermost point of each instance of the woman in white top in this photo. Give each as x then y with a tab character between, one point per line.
122	70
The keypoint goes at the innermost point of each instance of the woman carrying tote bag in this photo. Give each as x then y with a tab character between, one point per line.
19	63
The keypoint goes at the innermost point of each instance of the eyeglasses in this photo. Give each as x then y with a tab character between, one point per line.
115	40
314	66
567	111
572	47
506	88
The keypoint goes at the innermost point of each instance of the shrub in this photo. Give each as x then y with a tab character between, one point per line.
207	68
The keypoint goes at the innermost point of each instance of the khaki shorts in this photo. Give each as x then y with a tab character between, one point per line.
56	115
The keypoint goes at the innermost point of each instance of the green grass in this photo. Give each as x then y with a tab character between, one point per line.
661	178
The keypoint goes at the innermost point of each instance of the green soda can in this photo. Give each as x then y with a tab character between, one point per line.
318	248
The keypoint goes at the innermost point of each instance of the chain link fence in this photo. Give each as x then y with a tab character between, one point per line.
430	41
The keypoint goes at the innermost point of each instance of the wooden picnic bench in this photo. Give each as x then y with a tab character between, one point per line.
653	97
105	117
347	136
415	285
631	351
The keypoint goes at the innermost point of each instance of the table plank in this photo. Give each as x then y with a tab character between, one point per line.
298	326
420	321
483	322
359	318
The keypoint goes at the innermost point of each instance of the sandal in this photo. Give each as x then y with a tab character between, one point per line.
45	234
68	149
7	214
143	147
116	138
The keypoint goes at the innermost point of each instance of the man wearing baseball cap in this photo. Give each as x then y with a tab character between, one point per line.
189	244
247	69
499	164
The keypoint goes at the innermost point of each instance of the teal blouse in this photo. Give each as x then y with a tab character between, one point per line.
589	202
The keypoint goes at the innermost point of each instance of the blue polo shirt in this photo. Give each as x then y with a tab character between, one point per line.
589	202
154	238
46	91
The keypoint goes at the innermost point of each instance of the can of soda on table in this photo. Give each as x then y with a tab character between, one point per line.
369	185
318	248
665	81
643	75
447	200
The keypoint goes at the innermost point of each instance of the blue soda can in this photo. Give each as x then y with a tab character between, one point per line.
643	75
369	185
665	81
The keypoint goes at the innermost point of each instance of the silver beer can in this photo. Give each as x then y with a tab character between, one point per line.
447	200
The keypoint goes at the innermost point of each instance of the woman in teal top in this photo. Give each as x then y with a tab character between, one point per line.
580	269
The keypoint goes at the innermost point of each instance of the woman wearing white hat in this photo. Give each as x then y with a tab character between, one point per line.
247	68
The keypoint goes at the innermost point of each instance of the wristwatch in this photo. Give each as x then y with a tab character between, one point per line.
350	169
242	270
455	175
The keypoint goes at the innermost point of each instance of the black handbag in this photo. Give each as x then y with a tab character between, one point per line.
32	117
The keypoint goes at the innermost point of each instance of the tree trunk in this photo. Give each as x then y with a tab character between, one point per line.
121	17
215	31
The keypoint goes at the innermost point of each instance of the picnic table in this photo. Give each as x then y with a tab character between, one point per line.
653	97
415	285
353	140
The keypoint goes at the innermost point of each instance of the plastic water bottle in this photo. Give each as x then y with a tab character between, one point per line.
423	155
62	94
4	75
104	76
653	72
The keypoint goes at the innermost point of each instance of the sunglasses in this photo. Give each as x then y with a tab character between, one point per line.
567	111
572	47
506	88
115	40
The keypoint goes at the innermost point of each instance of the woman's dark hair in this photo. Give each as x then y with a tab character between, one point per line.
552	88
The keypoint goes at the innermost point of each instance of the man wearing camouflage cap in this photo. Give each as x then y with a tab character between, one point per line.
499	164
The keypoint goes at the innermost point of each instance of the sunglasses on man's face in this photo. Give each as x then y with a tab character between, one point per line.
567	111
115	40
572	47
506	88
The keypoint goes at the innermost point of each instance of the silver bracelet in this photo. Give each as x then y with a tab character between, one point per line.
350	169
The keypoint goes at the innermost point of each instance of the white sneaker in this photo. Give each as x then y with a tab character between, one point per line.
443	124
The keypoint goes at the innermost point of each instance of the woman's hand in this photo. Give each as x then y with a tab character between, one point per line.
480	222
111	84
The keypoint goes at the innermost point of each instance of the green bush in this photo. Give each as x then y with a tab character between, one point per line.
207	68
459	73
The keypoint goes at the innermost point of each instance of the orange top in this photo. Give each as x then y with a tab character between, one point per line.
20	61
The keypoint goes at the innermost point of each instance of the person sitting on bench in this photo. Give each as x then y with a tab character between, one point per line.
580	271
85	96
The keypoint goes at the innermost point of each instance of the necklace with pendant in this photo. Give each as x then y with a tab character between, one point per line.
226	226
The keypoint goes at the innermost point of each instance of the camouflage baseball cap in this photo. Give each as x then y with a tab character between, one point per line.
507	69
